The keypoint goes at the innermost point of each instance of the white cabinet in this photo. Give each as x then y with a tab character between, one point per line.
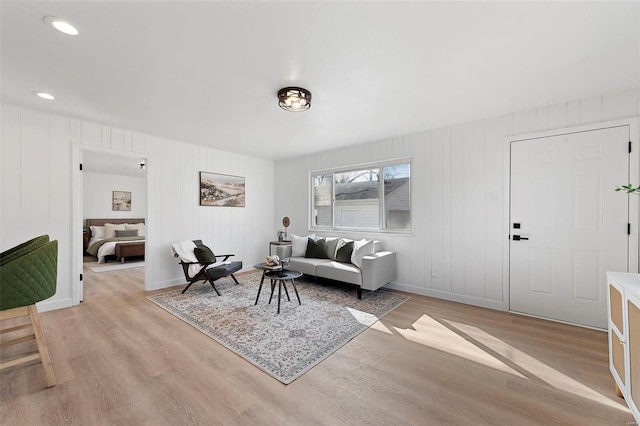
624	336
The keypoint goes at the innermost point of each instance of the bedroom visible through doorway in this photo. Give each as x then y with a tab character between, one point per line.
113	211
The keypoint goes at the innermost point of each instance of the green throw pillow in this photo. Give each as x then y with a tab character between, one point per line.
316	248
344	253
204	254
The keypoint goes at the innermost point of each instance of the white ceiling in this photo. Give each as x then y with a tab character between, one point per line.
207	72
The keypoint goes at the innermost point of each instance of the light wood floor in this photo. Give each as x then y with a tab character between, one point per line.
119	359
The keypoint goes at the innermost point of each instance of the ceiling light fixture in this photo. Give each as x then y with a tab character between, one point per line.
61	25
44	95
294	99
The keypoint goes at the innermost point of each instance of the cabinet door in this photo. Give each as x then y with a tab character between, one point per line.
617	340
633	309
616	307
617	356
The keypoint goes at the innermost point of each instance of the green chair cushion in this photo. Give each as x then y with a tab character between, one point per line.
29	278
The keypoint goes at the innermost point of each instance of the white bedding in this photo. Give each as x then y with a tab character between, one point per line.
109	248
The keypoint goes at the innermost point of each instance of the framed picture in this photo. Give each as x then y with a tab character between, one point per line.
121	201
221	190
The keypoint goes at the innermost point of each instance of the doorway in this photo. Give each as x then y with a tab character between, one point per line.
116	163
567	225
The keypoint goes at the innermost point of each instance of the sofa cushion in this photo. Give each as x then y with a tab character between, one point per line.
316	248
361	249
340	272
332	247
343	254
298	245
305	265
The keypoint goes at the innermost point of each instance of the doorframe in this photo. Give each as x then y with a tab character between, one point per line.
77	200
633	260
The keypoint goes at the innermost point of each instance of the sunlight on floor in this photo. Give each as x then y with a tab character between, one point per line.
364	318
476	345
533	367
379	326
430	332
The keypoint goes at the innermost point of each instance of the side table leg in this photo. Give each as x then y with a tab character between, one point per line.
284	284
296	289
279	291
260	288
273	286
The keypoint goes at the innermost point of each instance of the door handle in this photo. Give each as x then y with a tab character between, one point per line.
518	238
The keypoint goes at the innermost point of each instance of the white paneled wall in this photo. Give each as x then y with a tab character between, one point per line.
458	184
36	173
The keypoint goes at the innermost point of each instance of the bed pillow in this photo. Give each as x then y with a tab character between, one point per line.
204	254
111	228
344	251
97	232
298	245
131	233
316	248
361	249
137	226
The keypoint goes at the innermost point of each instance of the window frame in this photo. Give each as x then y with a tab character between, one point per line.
380	165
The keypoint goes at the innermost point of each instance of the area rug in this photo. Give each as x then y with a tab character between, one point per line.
106	267
284	345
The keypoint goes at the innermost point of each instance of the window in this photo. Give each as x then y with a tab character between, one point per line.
322	211
359	199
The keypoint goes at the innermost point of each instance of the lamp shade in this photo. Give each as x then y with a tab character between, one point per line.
294	99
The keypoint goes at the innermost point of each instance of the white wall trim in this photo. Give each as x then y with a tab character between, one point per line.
452	297
47	305
166	284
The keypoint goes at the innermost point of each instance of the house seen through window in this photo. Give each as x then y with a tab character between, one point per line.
372	197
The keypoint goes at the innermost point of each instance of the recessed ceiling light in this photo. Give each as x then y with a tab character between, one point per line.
62	25
44	95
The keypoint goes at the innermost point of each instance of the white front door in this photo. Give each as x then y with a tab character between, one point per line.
568	226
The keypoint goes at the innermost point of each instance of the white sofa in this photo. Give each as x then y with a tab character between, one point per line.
377	270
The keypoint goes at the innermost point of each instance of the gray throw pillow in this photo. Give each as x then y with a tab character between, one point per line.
344	253
132	233
316	248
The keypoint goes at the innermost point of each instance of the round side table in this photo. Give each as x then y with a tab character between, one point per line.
281	277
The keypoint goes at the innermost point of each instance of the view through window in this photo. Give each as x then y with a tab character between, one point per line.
372	197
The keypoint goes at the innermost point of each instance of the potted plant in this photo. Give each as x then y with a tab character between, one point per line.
629	189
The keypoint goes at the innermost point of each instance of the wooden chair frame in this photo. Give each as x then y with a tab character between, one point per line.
43	352
202	274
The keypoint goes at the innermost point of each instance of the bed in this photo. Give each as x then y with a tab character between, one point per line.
107	238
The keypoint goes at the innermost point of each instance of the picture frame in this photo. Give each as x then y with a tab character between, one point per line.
121	201
220	190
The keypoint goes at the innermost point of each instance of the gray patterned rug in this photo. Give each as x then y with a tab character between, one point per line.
285	345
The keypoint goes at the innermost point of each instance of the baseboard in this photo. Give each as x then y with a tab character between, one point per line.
459	298
52	305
